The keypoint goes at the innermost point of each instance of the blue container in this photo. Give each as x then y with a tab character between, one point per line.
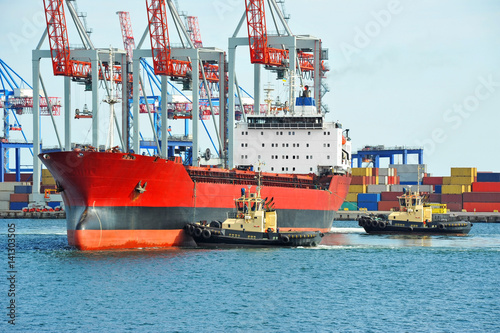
409	183
437	188
53	204
22	189
369	197
18	205
488	177
368	205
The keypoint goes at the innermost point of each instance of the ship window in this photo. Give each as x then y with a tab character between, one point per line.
246	144
297	156
281	133
328	157
293	156
324	133
283	144
293	168
287	144
307	145
286	156
242	133
272	168
328	145
277	133
282	168
297	145
242	156
310	169
324	144
261	133
328	133
259	157
286	168
263	145
307	157
246	156
294	144
243	145
246	133
289	133
293	133
308	133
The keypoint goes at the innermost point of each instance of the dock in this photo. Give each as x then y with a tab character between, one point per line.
17	214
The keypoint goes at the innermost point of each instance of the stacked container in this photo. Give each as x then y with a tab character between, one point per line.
410	174
485	195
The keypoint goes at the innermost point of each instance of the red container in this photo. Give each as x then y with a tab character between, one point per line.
11	177
375	172
432	181
481	197
482	206
44	187
358	180
486	187
454	206
19	197
388	205
451	198
390	196
435	197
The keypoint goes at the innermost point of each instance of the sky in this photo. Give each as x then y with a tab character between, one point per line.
403	73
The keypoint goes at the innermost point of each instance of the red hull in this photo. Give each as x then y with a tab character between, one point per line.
104	209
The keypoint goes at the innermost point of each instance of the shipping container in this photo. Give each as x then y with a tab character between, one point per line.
25	177
377	188
486	187
446	180
408	183
481	197
488	177
22	189
454	189
451	198
361	171
409	168
388	205
352	197
4	204
435	197
481	206
432	181
454	206
437	188
349	206
408	177
464	172
357	189
371	206
368	197
18	205
19	197
390	196
455	180
10	186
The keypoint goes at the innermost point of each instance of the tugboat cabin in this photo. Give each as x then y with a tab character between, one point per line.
412	209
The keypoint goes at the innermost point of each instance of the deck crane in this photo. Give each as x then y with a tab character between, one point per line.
194	31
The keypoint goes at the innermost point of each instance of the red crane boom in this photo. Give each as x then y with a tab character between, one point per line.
260	52
194	31
127	35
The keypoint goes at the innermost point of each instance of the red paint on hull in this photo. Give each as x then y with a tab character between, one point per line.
126	239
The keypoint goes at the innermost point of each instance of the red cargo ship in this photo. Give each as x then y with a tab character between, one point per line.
123	200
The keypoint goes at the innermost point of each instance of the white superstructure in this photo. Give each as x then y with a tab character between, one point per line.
301	142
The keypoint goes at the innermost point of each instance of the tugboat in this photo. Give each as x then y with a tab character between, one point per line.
414	217
252	223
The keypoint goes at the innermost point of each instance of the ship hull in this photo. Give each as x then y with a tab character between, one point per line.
105	209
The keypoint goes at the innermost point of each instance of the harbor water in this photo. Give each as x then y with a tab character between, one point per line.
355	283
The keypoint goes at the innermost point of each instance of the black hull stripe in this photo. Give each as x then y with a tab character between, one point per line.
171	218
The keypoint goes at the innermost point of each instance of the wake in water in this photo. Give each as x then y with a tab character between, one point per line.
336	230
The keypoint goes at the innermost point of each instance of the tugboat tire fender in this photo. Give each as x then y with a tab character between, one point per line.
206	234
197	232
285	239
441	226
374	223
382	224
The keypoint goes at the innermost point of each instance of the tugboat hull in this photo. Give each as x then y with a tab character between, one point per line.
213	236
381	225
